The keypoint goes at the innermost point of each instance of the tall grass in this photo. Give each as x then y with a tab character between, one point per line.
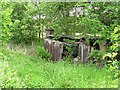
35	72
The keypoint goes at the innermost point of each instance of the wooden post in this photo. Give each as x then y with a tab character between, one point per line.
49	32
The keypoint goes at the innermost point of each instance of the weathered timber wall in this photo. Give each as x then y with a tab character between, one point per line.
56	49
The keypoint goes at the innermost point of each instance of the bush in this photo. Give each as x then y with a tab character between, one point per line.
44	54
97	55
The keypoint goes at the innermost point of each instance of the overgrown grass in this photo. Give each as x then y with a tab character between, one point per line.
35	72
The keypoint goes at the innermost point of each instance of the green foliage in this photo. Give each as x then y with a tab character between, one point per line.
71	49
17	23
97	57
67	59
114	67
115	37
34	72
90	26
94	18
8	76
96	54
6	23
24	31
44	54
115	50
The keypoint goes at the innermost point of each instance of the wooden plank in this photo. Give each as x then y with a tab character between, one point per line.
83	52
53	42
61	51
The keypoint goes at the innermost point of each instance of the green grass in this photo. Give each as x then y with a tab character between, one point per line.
35	72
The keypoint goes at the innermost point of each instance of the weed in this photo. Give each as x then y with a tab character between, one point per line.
35	72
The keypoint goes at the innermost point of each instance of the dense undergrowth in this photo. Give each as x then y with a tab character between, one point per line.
32	71
20	24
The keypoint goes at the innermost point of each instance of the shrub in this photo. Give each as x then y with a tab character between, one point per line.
44	54
97	55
